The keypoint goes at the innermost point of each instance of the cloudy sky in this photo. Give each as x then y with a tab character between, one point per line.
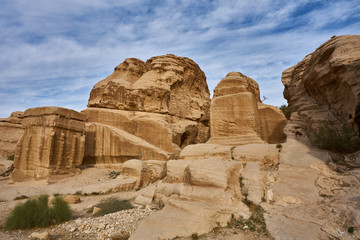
53	52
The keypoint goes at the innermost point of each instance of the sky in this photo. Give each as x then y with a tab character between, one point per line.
53	52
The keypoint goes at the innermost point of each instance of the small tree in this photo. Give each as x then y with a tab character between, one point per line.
343	140
286	110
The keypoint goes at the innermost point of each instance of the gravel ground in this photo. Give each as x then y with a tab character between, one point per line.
113	225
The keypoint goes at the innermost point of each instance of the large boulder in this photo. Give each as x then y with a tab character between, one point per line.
164	101
10	133
238	116
325	86
53	142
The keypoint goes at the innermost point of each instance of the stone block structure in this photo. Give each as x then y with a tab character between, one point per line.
238	117
53	143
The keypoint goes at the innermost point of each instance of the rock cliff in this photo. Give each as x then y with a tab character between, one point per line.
238	117
163	103
325	85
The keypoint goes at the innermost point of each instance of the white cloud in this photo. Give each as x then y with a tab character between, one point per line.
54	52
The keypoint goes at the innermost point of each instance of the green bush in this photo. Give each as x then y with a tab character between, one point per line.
111	205
286	110
37	213
11	157
344	140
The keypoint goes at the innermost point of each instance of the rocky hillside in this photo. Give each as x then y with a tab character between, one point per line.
325	85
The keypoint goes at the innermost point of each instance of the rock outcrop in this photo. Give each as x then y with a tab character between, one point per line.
238	117
163	104
10	133
325	86
53	142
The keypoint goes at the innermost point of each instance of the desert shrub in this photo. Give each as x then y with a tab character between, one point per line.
194	236
111	205
256	222
343	140
286	110
11	157
113	174
37	213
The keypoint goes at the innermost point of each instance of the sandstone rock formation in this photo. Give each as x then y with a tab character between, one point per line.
325	86
238	116
10	133
162	104
53	142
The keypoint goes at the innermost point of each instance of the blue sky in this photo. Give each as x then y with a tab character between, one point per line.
53	52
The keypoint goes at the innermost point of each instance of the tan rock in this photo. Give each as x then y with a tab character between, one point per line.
10	133
53	142
110	145
272	123
164	101
40	236
182	218
176	171
254	152
235	114
157	169
164	84
138	169
200	151
323	86
214	173
72	199
96	210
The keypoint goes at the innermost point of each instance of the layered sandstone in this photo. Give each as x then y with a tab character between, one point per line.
324	85
163	102
238	116
10	133
53	142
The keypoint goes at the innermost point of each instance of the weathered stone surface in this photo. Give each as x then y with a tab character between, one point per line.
205	192
272	123
304	191
53	142
164	101
164	84
145	172
72	199
40	236
110	145
324	85
182	218
238	117
10	133
199	151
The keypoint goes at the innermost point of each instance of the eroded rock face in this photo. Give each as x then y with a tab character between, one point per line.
238	117
165	102
10	133
325	85
53	142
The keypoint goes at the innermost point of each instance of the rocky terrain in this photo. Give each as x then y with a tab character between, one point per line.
229	168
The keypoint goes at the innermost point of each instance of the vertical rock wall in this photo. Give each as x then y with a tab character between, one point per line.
325	86
238	117
53	142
